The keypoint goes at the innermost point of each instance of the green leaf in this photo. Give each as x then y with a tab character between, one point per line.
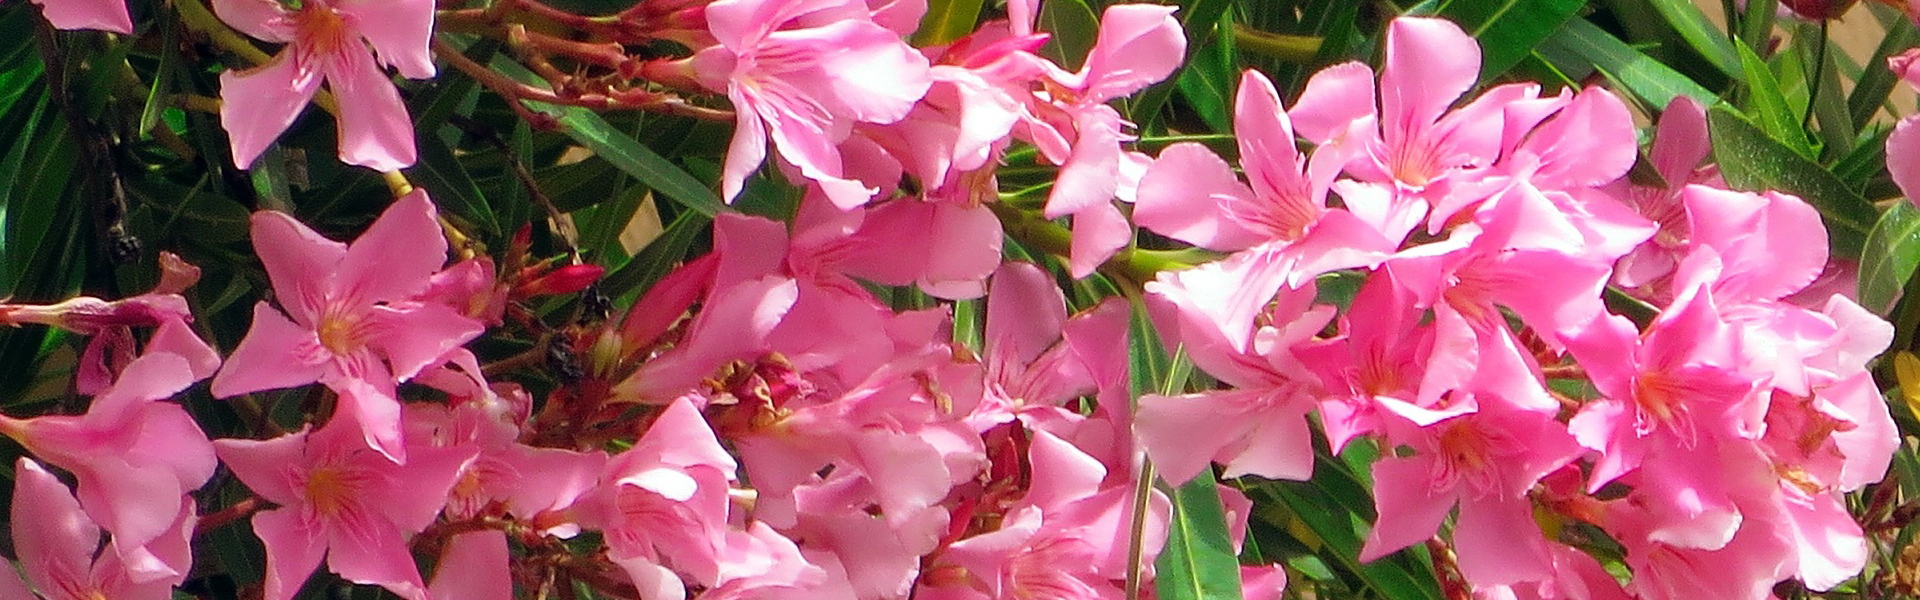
1198	562
1073	28
1700	34
1508	30
1336	508
441	173
1581	48
1876	80
589	129
1751	160
157	99
1769	107
946	21
1197	19
1756	22
655	260
1208	79
1892	251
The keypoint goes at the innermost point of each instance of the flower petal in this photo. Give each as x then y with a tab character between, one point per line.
375	130
258	104
273	355
400	31
394	258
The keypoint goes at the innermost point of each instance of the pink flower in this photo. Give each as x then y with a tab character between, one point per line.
785	64
104	15
1485	462
333	41
354	325
134	455
664	504
342	501
1259	426
1190	194
56	542
1067	118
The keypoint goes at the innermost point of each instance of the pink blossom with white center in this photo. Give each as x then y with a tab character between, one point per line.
343	43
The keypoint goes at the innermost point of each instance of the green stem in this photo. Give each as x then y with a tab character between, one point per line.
1129	264
1813	83
1290	48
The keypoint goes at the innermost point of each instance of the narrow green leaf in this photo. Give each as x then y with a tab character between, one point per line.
451	185
1073	28
1198	562
655	260
1336	508
589	129
1508	30
1892	251
1196	19
157	99
1768	106
1207	81
1876	80
946	21
1756	22
1580	48
1751	160
1700	34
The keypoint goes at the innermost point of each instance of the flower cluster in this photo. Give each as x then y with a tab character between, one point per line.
1470	288
1712	439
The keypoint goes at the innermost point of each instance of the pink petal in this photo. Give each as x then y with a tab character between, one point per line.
1499	543
475	566
395	257
175	337
897	75
1062	473
747	149
299	262
375	130
372	407
1138	44
1591	142
400	31
267	466
1335	97
54	539
1025	313
263	19
1430	63
1184	195
421	336
1087	175
1903	152
1098	232
375	554
1679	141
104	15
275	354
148	378
1183	434
734	326
1410	509
258	104
1267	150
293	550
